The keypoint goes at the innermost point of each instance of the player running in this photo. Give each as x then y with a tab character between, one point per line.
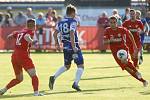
21	58
116	37
67	27
143	33
135	26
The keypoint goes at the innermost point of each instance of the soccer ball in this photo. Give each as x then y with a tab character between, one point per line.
122	54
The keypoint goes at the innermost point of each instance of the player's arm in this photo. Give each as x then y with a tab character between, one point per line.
12	35
73	28
146	28
28	38
106	38
56	38
135	54
141	27
106	41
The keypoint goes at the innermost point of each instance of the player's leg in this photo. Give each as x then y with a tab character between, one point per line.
141	51
131	69
30	69
67	64
139	46
35	81
80	68
57	73
19	77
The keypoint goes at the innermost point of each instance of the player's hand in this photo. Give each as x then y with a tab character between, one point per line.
57	47
75	49
35	42
146	33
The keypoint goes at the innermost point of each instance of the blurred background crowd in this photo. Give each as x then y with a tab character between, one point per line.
47	18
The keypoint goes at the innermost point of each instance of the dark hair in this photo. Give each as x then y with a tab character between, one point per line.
127	9
132	10
113	17
54	12
70	9
30	20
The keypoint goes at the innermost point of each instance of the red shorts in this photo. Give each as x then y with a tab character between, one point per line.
122	65
21	61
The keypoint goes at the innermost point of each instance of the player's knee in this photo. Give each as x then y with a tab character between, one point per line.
80	66
20	79
31	72
68	66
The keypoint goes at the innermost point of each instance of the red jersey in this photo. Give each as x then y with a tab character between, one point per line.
134	27
20	43
20	57
120	34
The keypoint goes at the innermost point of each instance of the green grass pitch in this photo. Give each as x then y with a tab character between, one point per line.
102	79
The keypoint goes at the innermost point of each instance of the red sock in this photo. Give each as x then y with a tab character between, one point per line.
35	83
135	76
12	83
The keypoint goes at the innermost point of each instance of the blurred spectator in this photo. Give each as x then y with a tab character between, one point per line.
77	18
54	15
9	11
49	12
59	18
103	20
8	21
48	29
116	14
29	13
126	15
148	18
40	23
102	23
1	18
20	19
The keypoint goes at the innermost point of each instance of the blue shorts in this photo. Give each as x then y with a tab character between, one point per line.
68	57
142	36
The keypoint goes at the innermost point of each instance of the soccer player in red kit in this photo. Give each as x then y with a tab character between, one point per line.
21	57
135	26
116	36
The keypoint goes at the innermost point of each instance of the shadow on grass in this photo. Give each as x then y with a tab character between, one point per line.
46	92
89	91
107	67
17	95
145	93
97	78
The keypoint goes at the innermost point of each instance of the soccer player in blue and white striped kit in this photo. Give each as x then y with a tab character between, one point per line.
67	28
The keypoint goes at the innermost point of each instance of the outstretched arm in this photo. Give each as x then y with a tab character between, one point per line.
11	36
28	38
56	40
